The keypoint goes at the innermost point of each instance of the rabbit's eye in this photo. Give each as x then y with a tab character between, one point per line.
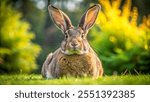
66	36
82	35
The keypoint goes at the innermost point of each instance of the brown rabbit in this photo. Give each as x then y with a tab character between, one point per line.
75	57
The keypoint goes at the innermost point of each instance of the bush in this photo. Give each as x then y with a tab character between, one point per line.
17	52
123	45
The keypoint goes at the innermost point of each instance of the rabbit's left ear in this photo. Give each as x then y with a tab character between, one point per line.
61	20
89	18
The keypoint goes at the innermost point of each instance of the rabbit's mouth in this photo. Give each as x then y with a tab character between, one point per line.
73	52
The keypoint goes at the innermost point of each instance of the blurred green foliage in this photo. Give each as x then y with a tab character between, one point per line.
122	44
17	52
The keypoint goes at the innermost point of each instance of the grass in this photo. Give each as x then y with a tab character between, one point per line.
33	79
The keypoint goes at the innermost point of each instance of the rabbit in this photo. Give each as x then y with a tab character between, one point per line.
75	57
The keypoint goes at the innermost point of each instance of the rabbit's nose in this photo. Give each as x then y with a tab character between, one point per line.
74	44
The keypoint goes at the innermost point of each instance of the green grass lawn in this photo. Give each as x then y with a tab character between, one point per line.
34	79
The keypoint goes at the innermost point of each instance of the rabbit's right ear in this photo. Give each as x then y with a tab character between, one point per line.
60	18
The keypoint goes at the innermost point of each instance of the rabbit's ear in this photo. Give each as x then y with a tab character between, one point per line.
60	18
89	18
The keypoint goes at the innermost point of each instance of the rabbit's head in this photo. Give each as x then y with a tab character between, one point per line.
75	41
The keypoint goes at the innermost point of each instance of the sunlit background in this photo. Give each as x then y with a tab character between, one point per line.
120	37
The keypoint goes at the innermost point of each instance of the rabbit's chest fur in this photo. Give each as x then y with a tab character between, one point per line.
75	65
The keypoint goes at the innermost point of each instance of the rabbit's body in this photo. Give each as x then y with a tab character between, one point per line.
73	65
75	57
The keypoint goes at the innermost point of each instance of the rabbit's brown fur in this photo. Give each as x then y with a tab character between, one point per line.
75	57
